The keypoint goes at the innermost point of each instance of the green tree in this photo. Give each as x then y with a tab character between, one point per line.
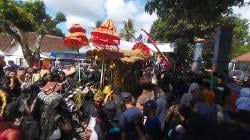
18	18
197	10
241	38
184	52
128	30
192	18
171	30
98	23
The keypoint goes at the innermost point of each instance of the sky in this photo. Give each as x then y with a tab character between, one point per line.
88	12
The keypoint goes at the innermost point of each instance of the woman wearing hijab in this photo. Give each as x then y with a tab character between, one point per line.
243	102
187	98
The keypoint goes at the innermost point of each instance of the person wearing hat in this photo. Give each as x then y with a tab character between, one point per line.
152	127
131	120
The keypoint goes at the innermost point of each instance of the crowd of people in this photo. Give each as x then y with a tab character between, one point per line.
170	106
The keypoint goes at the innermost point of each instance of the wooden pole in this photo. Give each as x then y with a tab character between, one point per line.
79	67
102	75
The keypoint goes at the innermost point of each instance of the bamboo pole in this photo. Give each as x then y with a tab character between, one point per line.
79	66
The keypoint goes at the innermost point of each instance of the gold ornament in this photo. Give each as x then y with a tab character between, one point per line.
79	98
3	101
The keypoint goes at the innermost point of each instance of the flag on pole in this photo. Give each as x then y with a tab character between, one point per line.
164	58
139	38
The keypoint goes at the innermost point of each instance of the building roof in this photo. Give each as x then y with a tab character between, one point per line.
49	43
243	58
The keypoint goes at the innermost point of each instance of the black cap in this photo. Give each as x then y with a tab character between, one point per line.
126	96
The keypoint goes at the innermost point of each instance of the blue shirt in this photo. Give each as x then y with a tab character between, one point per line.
162	108
128	121
153	128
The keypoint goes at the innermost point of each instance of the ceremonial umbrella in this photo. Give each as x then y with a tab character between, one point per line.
139	46
76	39
105	37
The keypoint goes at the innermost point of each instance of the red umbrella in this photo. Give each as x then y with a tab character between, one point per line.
76	28
76	39
106	36
141	47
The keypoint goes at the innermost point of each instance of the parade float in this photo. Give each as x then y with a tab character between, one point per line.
117	65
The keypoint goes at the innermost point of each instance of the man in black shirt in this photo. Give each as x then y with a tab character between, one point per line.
221	92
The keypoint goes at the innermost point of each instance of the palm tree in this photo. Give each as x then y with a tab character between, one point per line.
128	30
98	23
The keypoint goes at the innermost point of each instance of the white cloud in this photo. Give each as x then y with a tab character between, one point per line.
92	9
243	11
145	20
84	12
119	10
82	21
87	12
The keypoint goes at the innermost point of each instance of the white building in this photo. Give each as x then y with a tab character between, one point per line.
13	50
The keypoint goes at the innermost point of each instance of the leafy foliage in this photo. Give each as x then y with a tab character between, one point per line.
241	42
98	23
198	10
237	51
184	52
128	30
184	20
19	17
184	36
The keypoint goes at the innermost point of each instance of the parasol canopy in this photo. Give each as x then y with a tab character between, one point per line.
77	37
142	48
106	36
76	28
